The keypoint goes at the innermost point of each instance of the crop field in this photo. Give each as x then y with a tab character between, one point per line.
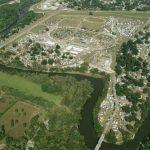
16	119
5	103
26	86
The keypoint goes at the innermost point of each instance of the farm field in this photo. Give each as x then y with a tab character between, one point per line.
17	118
6	103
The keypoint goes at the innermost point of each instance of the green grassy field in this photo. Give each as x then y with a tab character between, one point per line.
92	25
71	22
39	29
26	86
111	13
124	14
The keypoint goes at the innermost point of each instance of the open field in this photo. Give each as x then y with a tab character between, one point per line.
92	25
17	116
5	103
111	13
26	86
70	22
38	29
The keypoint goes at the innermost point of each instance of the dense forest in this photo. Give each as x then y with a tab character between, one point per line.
140	5
15	16
4	1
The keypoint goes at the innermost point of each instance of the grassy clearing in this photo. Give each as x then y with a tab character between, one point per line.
95	19
111	13
71	22
26	86
20	113
92	25
38	29
54	19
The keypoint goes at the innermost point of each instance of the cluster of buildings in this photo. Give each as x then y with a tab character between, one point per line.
125	28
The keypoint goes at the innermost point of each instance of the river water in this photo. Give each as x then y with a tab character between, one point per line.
87	129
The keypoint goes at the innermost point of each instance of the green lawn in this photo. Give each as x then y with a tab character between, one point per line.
123	14
26	86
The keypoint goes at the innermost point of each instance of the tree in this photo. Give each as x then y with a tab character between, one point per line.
44	62
90	13
94	71
12	123
84	67
111	137
2	132
125	135
57	51
15	44
126	108
129	127
118	69
50	61
57	47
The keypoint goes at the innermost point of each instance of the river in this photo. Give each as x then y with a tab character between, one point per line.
86	126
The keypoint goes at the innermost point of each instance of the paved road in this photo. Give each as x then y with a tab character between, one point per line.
27	29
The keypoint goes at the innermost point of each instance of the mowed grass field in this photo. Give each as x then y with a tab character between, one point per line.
69	22
21	114
26	86
123	14
92	25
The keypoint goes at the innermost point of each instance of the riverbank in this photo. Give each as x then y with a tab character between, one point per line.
86	124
